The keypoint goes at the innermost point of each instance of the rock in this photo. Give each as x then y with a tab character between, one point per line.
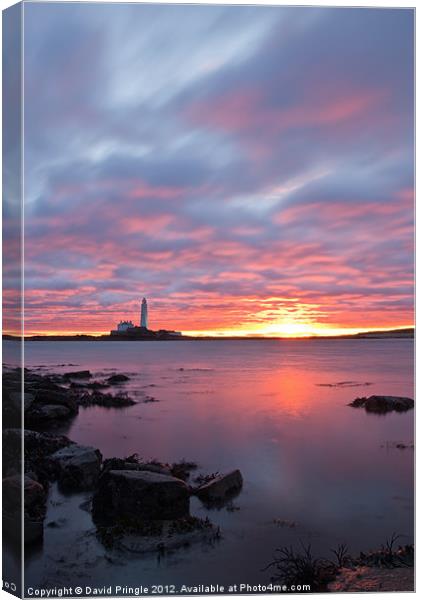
78	375
60	396
50	403
97	385
12	487
383	404
120	464
12	414
182	469
221	488
35	499
167	536
133	464
118	378
141	495
155	468
41	445
78	467
108	400
16	399
47	412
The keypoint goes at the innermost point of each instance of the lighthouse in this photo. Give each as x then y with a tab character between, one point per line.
144	314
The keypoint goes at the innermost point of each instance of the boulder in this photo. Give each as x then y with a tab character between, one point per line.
77	467
61	396
118	378
221	488
38	414
35	499
383	404
37	446
16	399
35	504
140	495
78	375
41	444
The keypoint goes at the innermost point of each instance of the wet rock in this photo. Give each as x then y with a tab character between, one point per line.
78	375
118	378
140	494
35	498
221	488
77	467
383	404
183	469
11	411
39	414
97	385
49	403
156	468
107	400
133	463
61	396
41	445
166	536
35	382
120	464
16	399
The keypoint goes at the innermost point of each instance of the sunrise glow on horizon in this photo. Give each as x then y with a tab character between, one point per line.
247	169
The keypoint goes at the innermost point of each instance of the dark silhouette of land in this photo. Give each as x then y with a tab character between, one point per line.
150	335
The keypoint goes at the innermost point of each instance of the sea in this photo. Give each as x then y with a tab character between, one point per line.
316	471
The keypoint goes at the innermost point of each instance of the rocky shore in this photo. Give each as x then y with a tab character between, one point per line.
140	506
136	505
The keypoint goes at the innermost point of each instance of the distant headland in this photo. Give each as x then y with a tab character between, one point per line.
164	335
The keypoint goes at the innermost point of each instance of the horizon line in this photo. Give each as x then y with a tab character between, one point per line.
344	332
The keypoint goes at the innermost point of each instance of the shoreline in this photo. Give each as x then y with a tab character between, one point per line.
404	333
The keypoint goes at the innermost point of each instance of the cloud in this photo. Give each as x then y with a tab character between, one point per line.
254	164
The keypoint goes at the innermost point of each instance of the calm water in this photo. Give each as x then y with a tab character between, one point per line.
258	406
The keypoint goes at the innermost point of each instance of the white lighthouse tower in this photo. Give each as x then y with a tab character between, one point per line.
144	314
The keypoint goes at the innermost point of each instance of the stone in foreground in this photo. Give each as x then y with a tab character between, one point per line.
77	466
35	499
221	488
140	495
383	404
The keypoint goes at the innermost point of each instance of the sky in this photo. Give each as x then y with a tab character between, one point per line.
247	169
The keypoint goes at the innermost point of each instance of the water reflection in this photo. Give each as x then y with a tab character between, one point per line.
306	457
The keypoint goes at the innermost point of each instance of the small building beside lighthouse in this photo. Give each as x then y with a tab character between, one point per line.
144	314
